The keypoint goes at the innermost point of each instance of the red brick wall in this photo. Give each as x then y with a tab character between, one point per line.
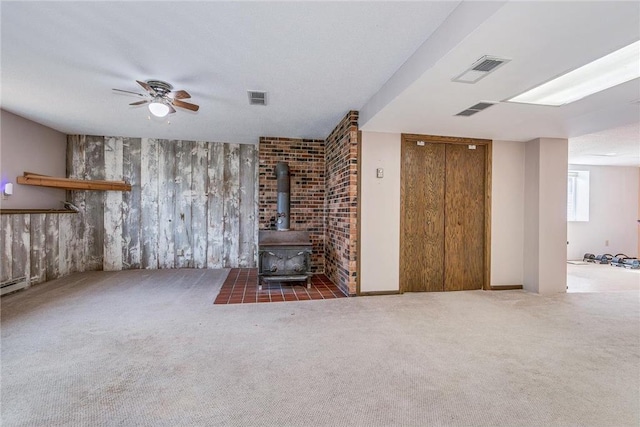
341	157
307	168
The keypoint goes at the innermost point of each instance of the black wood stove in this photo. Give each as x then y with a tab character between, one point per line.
283	255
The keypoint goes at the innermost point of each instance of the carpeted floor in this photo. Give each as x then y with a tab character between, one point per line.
592	277
148	348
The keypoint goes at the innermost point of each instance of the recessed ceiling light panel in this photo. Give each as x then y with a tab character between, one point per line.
611	70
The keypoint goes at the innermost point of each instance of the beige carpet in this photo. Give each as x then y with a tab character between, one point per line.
601	278
142	348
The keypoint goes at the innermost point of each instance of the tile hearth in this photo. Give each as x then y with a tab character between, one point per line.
241	287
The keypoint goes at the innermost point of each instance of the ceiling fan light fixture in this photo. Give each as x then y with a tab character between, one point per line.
158	108
160	99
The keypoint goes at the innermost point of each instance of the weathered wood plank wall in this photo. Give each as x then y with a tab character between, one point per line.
52	252
93	213
39	247
231	197
199	204
6	272
215	215
131	203
20	251
247	207
192	204
113	206
149	203
182	223
166	203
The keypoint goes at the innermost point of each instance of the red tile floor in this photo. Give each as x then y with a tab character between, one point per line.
241	287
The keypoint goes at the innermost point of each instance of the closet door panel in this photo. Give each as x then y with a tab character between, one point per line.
422	217
464	217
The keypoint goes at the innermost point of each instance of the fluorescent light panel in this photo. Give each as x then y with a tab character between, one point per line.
610	70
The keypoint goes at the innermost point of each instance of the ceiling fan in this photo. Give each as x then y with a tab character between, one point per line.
161	98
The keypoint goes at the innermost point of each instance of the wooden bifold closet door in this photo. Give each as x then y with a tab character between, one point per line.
442	217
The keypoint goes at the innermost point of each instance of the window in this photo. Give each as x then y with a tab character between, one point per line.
578	196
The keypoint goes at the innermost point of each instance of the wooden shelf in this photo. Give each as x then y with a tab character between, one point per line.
71	184
35	211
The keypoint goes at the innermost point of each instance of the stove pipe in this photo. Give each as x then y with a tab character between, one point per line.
282	217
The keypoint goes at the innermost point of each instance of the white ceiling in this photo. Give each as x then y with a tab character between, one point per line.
391	61
316	60
613	147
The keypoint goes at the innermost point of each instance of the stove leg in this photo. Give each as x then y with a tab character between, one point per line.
308	282
259	284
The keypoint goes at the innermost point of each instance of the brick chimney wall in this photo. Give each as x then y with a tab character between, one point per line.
341	157
307	199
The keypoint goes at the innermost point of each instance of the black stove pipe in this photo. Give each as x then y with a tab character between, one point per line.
282	217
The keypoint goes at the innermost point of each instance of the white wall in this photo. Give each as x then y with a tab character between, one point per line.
545	269
531	216
613	213
507	213
553	215
29	146
380	213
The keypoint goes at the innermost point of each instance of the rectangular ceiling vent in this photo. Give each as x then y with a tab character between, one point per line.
257	97
481	106
467	113
480	69
488	65
475	109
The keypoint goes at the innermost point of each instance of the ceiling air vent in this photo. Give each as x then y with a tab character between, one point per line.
481	68
257	97
487	65
475	109
467	113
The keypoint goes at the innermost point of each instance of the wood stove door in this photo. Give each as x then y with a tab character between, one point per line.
284	261
270	262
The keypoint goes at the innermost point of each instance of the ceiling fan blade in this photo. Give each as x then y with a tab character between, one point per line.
180	94
128	91
147	87
171	109
187	105
146	101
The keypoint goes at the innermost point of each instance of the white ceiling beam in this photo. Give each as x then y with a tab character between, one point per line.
459	24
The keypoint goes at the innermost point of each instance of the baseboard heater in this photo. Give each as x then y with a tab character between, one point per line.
13	285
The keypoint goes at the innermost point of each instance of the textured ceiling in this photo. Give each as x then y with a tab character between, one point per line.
316	60
613	147
392	61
